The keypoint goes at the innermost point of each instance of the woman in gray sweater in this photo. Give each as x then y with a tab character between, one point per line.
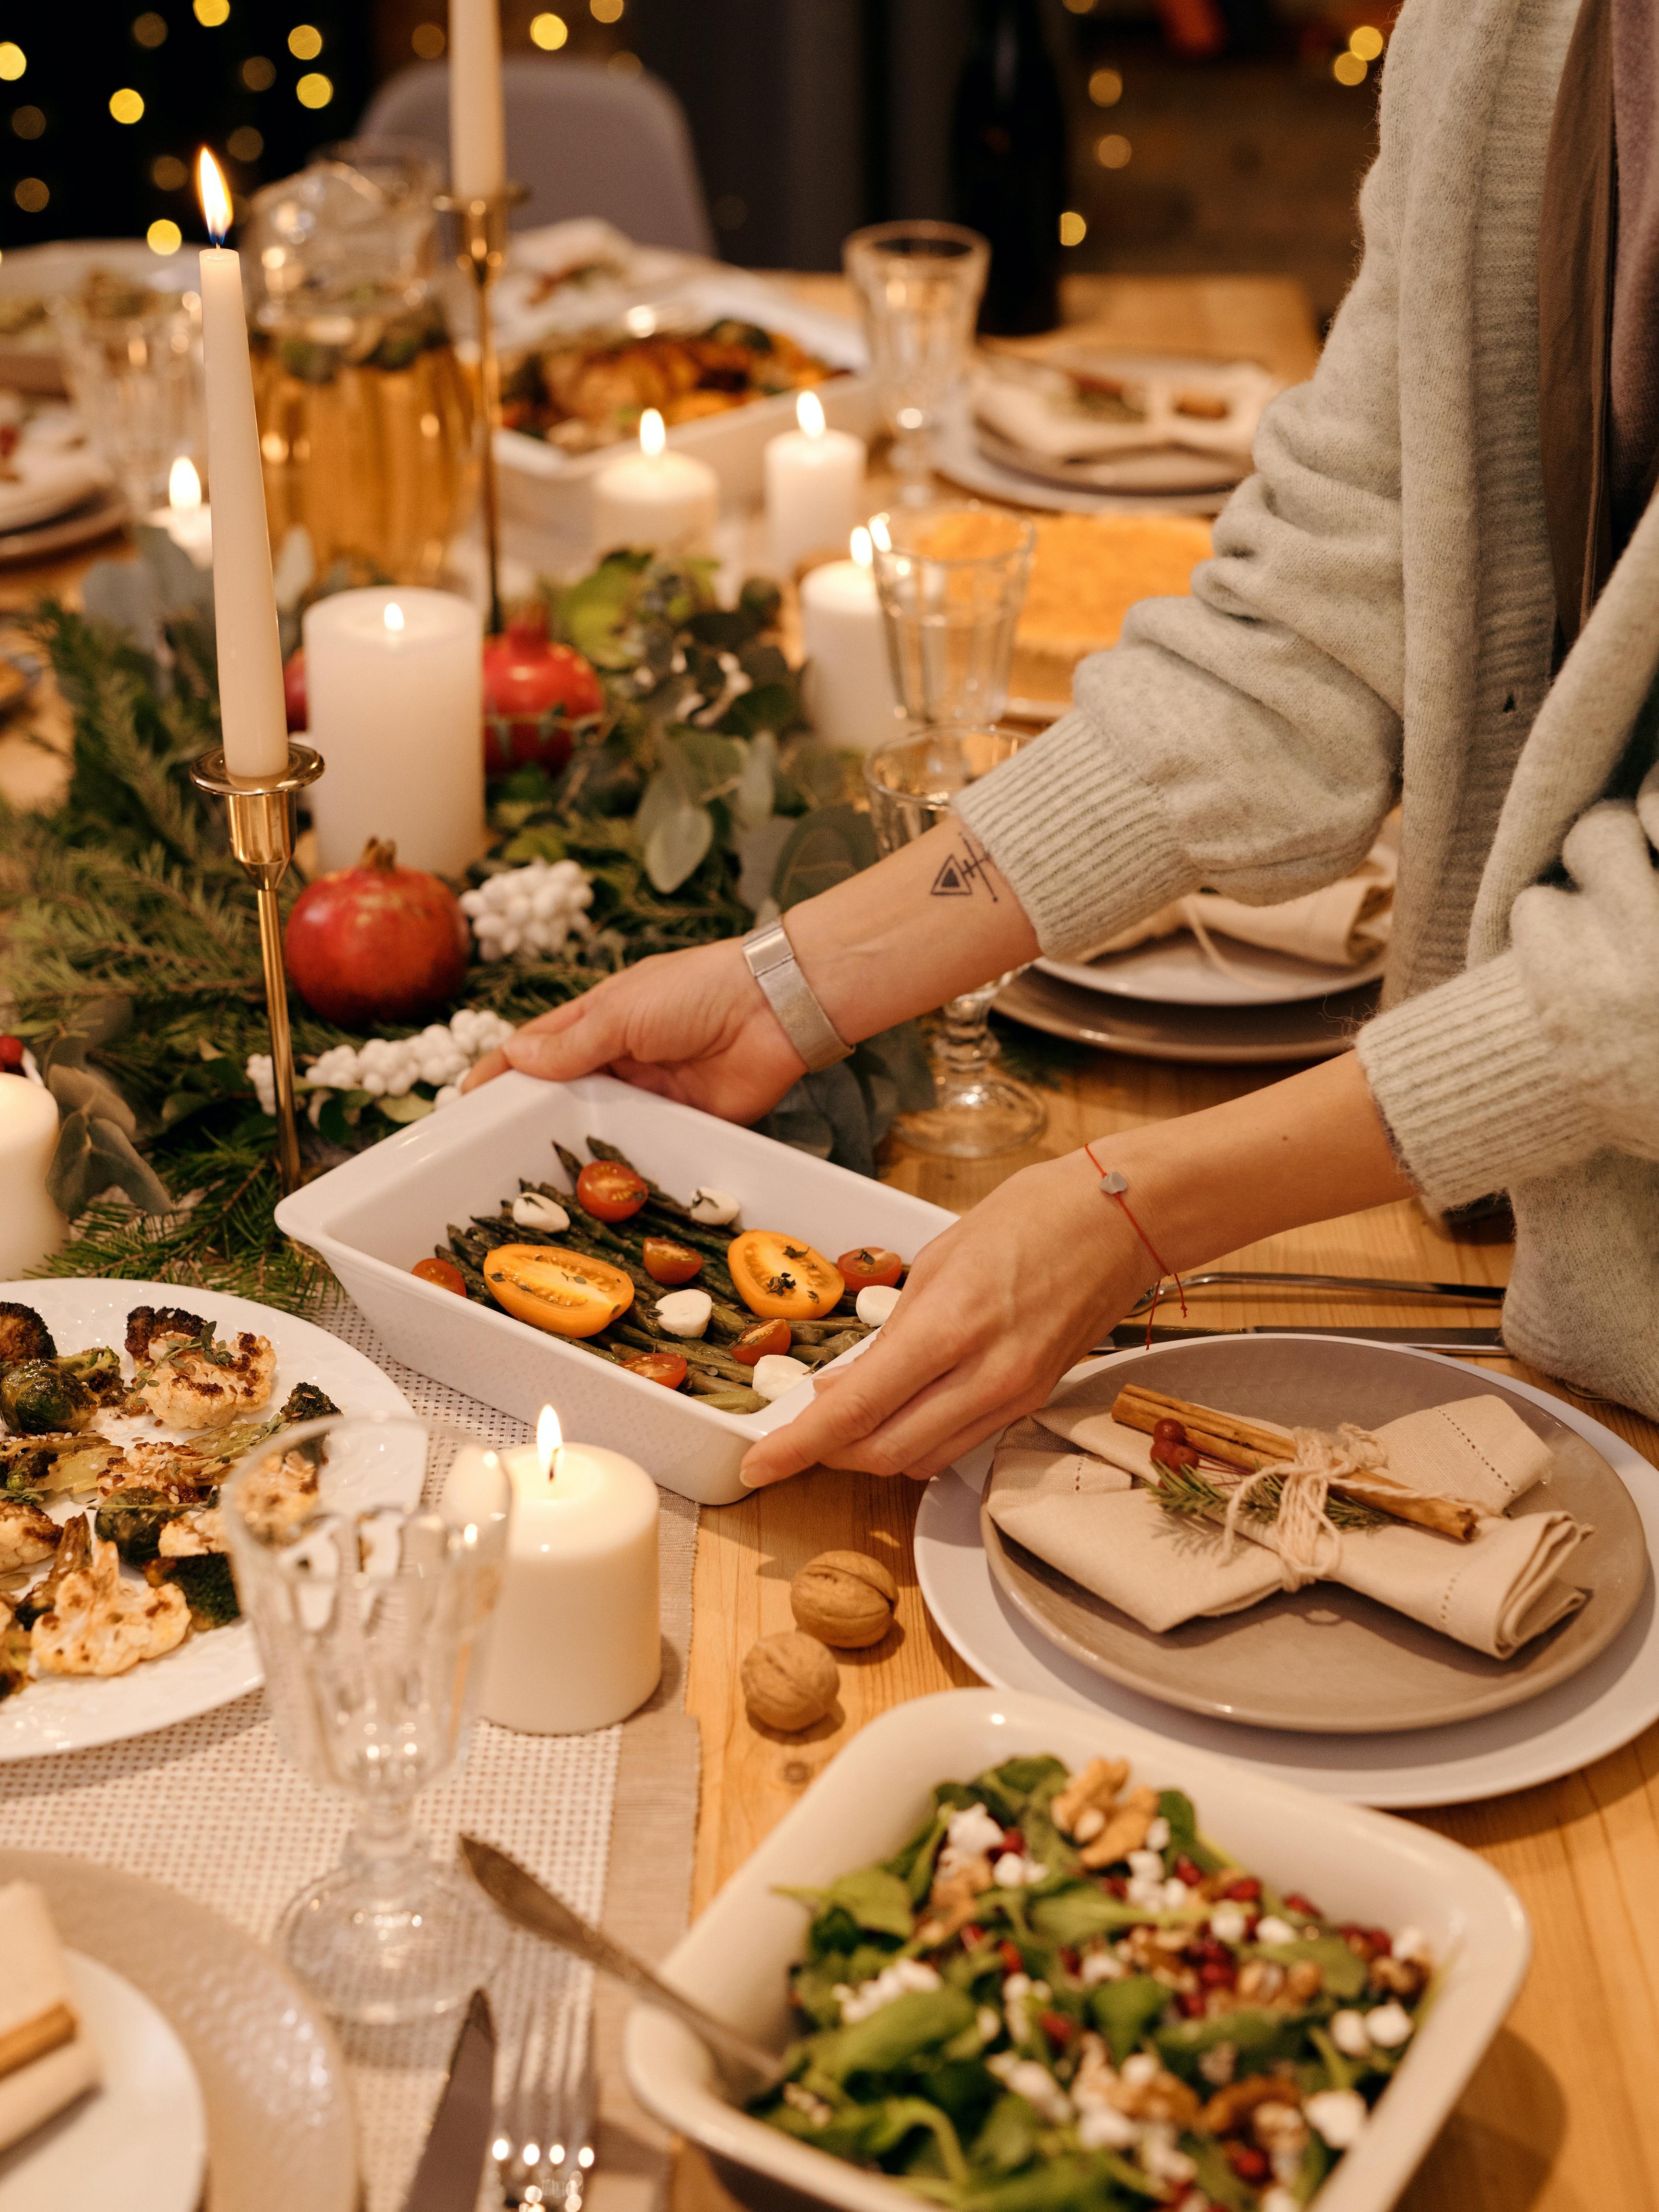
1439	590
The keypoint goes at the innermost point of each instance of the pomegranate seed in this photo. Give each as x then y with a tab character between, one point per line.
1248	2163
1014	1840
1216	1974
1295	1902
1117	1886
1383	1941
1056	2026
1187	1872
1009	1955
1191	2004
972	1936
1071	1960
1246	1890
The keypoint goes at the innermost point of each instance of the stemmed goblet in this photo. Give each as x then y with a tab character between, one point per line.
919	286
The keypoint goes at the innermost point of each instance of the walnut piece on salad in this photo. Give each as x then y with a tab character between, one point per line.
1004	2020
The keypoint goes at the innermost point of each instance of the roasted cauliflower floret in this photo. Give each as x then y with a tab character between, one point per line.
99	1625
280	1495
208	1385
152	1330
26	1536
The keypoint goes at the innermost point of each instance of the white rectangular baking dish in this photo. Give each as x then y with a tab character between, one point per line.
875	1794
372	1217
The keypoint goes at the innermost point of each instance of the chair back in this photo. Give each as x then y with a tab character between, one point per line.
586	141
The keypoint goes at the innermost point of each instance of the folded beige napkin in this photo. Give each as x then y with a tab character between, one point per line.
1214	409
1494	1594
1342	925
47	2058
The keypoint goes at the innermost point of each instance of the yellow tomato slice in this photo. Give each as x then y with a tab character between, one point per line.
564	1292
778	1275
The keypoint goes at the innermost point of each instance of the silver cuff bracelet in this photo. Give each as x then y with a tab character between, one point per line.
772	964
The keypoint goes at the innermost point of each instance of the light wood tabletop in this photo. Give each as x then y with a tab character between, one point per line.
1561	2117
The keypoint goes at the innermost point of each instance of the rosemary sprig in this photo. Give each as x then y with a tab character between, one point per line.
1187	1494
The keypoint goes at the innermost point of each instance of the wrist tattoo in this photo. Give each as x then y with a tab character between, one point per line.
964	871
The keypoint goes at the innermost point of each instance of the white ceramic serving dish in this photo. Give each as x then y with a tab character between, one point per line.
372	1219
874	1795
542	488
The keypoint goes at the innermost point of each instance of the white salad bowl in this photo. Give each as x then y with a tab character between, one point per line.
373	1217
875	1794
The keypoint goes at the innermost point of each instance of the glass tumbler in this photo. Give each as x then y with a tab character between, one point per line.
950	576
919	286
368	1553
980	1111
132	360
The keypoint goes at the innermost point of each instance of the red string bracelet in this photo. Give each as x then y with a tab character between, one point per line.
1114	1186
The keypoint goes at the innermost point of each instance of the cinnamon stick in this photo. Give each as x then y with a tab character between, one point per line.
1253	1444
22	2045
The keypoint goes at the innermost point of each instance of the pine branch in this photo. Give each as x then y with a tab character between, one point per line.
1183	1492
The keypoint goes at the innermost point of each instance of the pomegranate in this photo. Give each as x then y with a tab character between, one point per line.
376	943
536	691
293	689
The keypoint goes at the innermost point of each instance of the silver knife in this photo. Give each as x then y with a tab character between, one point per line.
1476	1343
452	2165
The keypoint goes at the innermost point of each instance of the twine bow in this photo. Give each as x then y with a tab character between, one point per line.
1308	1541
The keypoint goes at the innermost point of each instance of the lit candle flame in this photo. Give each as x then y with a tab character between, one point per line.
393	615
809	413
184	486
216	197
652	436
862	549
550	1436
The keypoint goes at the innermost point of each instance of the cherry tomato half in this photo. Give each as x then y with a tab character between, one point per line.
776	1276
567	1293
666	1262
444	1273
609	1191
664	1367
870	1263
758	1339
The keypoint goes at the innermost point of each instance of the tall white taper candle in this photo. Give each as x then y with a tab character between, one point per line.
477	126
250	709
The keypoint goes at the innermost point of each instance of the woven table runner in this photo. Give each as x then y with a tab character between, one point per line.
213	1808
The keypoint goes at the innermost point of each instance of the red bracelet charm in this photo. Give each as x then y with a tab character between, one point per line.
1115	1186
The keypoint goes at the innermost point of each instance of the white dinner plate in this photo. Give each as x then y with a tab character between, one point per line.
72	1713
1176	971
139	2138
1596	1711
960	457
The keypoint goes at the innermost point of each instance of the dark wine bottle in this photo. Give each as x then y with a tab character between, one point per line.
1008	164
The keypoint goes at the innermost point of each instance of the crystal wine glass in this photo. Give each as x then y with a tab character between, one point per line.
950	576
368	1553
919	286
980	1111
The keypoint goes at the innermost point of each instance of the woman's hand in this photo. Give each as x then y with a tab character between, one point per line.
994	1312
693	1025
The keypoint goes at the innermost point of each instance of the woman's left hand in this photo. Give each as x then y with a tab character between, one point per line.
994	1312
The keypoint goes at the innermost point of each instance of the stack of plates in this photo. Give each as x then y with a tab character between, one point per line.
1168	1000
53	496
1325	1687
1083	431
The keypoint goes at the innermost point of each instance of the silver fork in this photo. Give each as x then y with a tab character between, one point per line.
544	2147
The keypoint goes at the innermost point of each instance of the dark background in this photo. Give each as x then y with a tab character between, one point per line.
1204	134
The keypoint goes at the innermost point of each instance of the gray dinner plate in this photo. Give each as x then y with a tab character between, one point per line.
1155	1029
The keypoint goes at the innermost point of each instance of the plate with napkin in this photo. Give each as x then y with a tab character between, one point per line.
99	2102
1208	951
1393	1626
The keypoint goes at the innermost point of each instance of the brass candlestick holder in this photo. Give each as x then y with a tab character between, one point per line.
483	250
262	837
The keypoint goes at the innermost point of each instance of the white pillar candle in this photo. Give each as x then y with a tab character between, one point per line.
577	1641
30	1224
477	127
394	683
251	714
668	501
185	518
848	685
814	487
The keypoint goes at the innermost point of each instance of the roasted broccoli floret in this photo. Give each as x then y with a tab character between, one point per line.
209	1587
40	1398
23	1336
148	1325
305	1402
132	1520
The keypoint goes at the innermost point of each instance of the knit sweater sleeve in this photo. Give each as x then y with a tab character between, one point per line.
1548	1055
1248	737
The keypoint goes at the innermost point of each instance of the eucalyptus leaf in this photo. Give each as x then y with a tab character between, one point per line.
759	851
714	763
411	1107
826	847
677	845
94	1155
752	800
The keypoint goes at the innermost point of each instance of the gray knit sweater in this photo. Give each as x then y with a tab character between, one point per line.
1376	626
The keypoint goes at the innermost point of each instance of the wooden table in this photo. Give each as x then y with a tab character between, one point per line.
1562	2116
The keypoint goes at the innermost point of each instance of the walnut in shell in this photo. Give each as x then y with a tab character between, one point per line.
789	1680
844	1598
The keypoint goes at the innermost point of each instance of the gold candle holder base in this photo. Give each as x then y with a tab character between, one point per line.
483	250
261	825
